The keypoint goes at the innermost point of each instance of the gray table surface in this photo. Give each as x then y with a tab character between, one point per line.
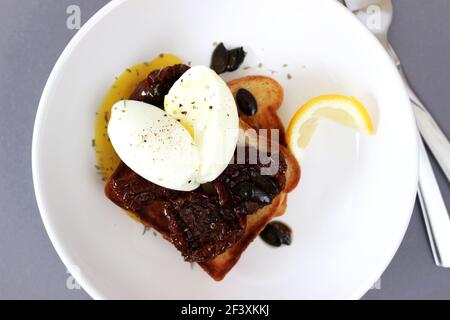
33	33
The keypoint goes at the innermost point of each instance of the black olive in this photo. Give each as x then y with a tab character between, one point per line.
226	60
270	236
244	190
219	60
277	233
267	183
246	102
249	191
261	196
235	58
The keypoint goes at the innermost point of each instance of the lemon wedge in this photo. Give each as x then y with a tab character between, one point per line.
347	111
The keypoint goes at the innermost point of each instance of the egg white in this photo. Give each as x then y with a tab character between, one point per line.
206	107
154	145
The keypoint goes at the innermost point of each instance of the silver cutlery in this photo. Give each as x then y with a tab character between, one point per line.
437	221
429	129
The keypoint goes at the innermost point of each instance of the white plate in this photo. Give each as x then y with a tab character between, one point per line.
353	204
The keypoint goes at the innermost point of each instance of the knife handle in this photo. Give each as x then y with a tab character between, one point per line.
434	211
430	130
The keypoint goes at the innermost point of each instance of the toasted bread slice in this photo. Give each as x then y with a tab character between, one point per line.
269	96
281	208
218	267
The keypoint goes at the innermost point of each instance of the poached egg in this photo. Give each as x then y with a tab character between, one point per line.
204	104
189	143
154	145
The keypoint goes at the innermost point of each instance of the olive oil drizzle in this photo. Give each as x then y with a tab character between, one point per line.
107	159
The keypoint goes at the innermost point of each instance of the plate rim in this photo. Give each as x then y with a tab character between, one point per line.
91	290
